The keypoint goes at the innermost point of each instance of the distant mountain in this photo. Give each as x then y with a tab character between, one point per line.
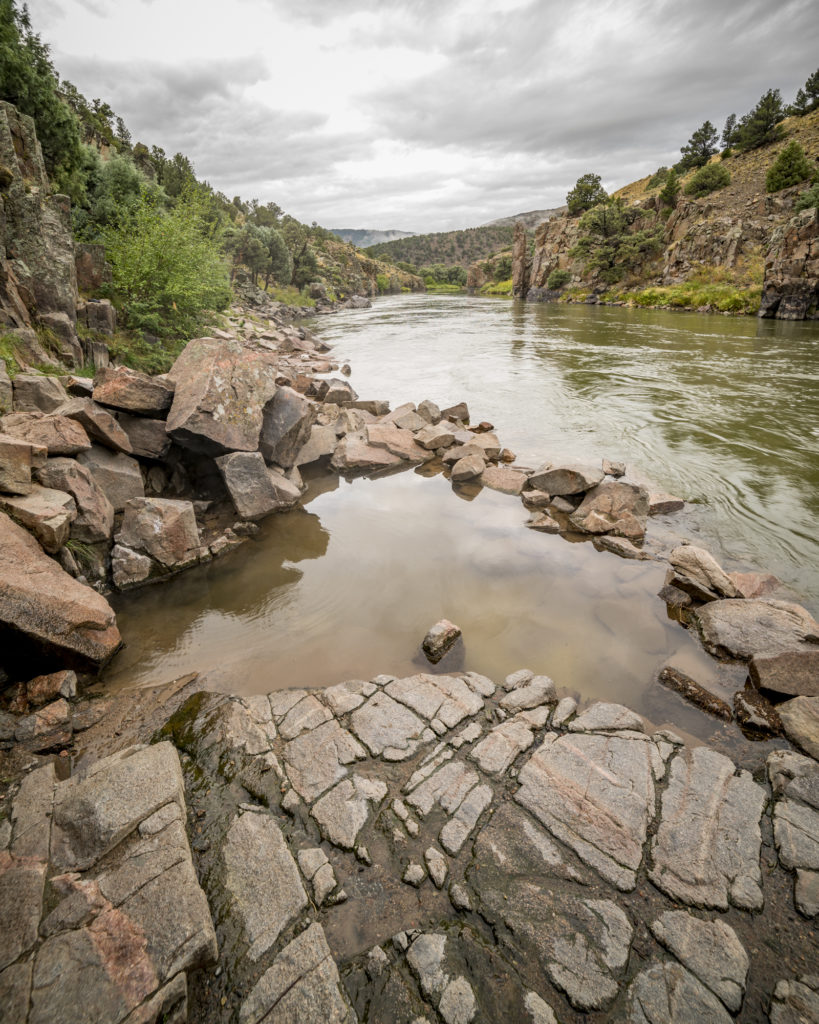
530	219
362	237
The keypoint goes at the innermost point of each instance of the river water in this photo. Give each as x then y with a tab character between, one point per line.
723	412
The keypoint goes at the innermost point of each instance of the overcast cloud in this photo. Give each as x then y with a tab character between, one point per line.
425	115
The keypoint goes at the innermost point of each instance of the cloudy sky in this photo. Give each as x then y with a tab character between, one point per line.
425	115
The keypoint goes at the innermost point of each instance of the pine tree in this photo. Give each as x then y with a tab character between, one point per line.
790	168
729	131
699	149
763	124
587	192
671	191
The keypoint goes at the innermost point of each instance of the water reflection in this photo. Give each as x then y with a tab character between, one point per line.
380	561
723	411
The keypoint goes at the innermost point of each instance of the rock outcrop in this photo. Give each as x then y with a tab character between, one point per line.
791	287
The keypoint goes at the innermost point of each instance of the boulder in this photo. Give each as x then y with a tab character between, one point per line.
99	424
35	393
467	468
435	436
429	411
117	475
255	490
697	566
737	628
41	602
571	478
616	469
457	413
374	406
163	529
44	689
503	479
58	434
353	453
95	513
397	441
660	504
321	443
800	720
132	391
100	316
148	438
287	420
222	389
755	584
17	461
129	568
792	672
440	639
47	513
755	713
613	507
339	392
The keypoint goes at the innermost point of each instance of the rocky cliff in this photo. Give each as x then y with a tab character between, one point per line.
38	281
729	235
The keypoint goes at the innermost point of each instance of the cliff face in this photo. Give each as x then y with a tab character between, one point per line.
722	235
38	281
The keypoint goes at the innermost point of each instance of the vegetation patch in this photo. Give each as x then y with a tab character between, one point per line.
708	179
8	353
497	287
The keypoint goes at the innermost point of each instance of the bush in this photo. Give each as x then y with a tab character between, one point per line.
708	179
383	283
657	178
790	168
557	279
167	270
808	200
670	191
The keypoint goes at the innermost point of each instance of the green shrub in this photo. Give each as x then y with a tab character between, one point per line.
727	153
657	178
808	200
557	279
167	269
670	191
8	353
587	192
708	179
383	283
790	168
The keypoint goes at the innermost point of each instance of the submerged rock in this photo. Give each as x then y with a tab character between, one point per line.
695	694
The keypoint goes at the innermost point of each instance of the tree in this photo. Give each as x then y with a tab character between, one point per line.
699	149
790	168
729	131
29	81
671	190
808	200
587	192
708	179
608	244
763	124
167	271
812	90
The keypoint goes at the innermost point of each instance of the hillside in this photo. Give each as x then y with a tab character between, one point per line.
452	248
737	248
529	220
363	237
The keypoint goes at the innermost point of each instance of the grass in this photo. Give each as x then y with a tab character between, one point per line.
497	288
441	288
291	296
150	357
8	353
725	298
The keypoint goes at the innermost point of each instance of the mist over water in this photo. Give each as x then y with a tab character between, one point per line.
722	412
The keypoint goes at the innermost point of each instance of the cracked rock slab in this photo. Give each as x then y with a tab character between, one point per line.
596	794
668	994
708	949
387	728
707	847
262	886
343	812
302	986
317	760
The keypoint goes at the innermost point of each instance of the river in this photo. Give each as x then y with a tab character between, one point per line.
722	411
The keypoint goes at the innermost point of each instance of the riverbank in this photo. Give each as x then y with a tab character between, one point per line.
421	797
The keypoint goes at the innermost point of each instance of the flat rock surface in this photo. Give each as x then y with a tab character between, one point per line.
800	720
792	672
741	628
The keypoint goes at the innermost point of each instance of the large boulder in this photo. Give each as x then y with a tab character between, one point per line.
255	490
571	478
48	513
163	529
286	422
43	605
696	566
613	507
36	393
95	513
17	461
222	388
98	424
58	434
736	628
148	438
116	474
132	391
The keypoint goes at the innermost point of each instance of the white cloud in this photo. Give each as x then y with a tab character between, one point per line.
419	114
